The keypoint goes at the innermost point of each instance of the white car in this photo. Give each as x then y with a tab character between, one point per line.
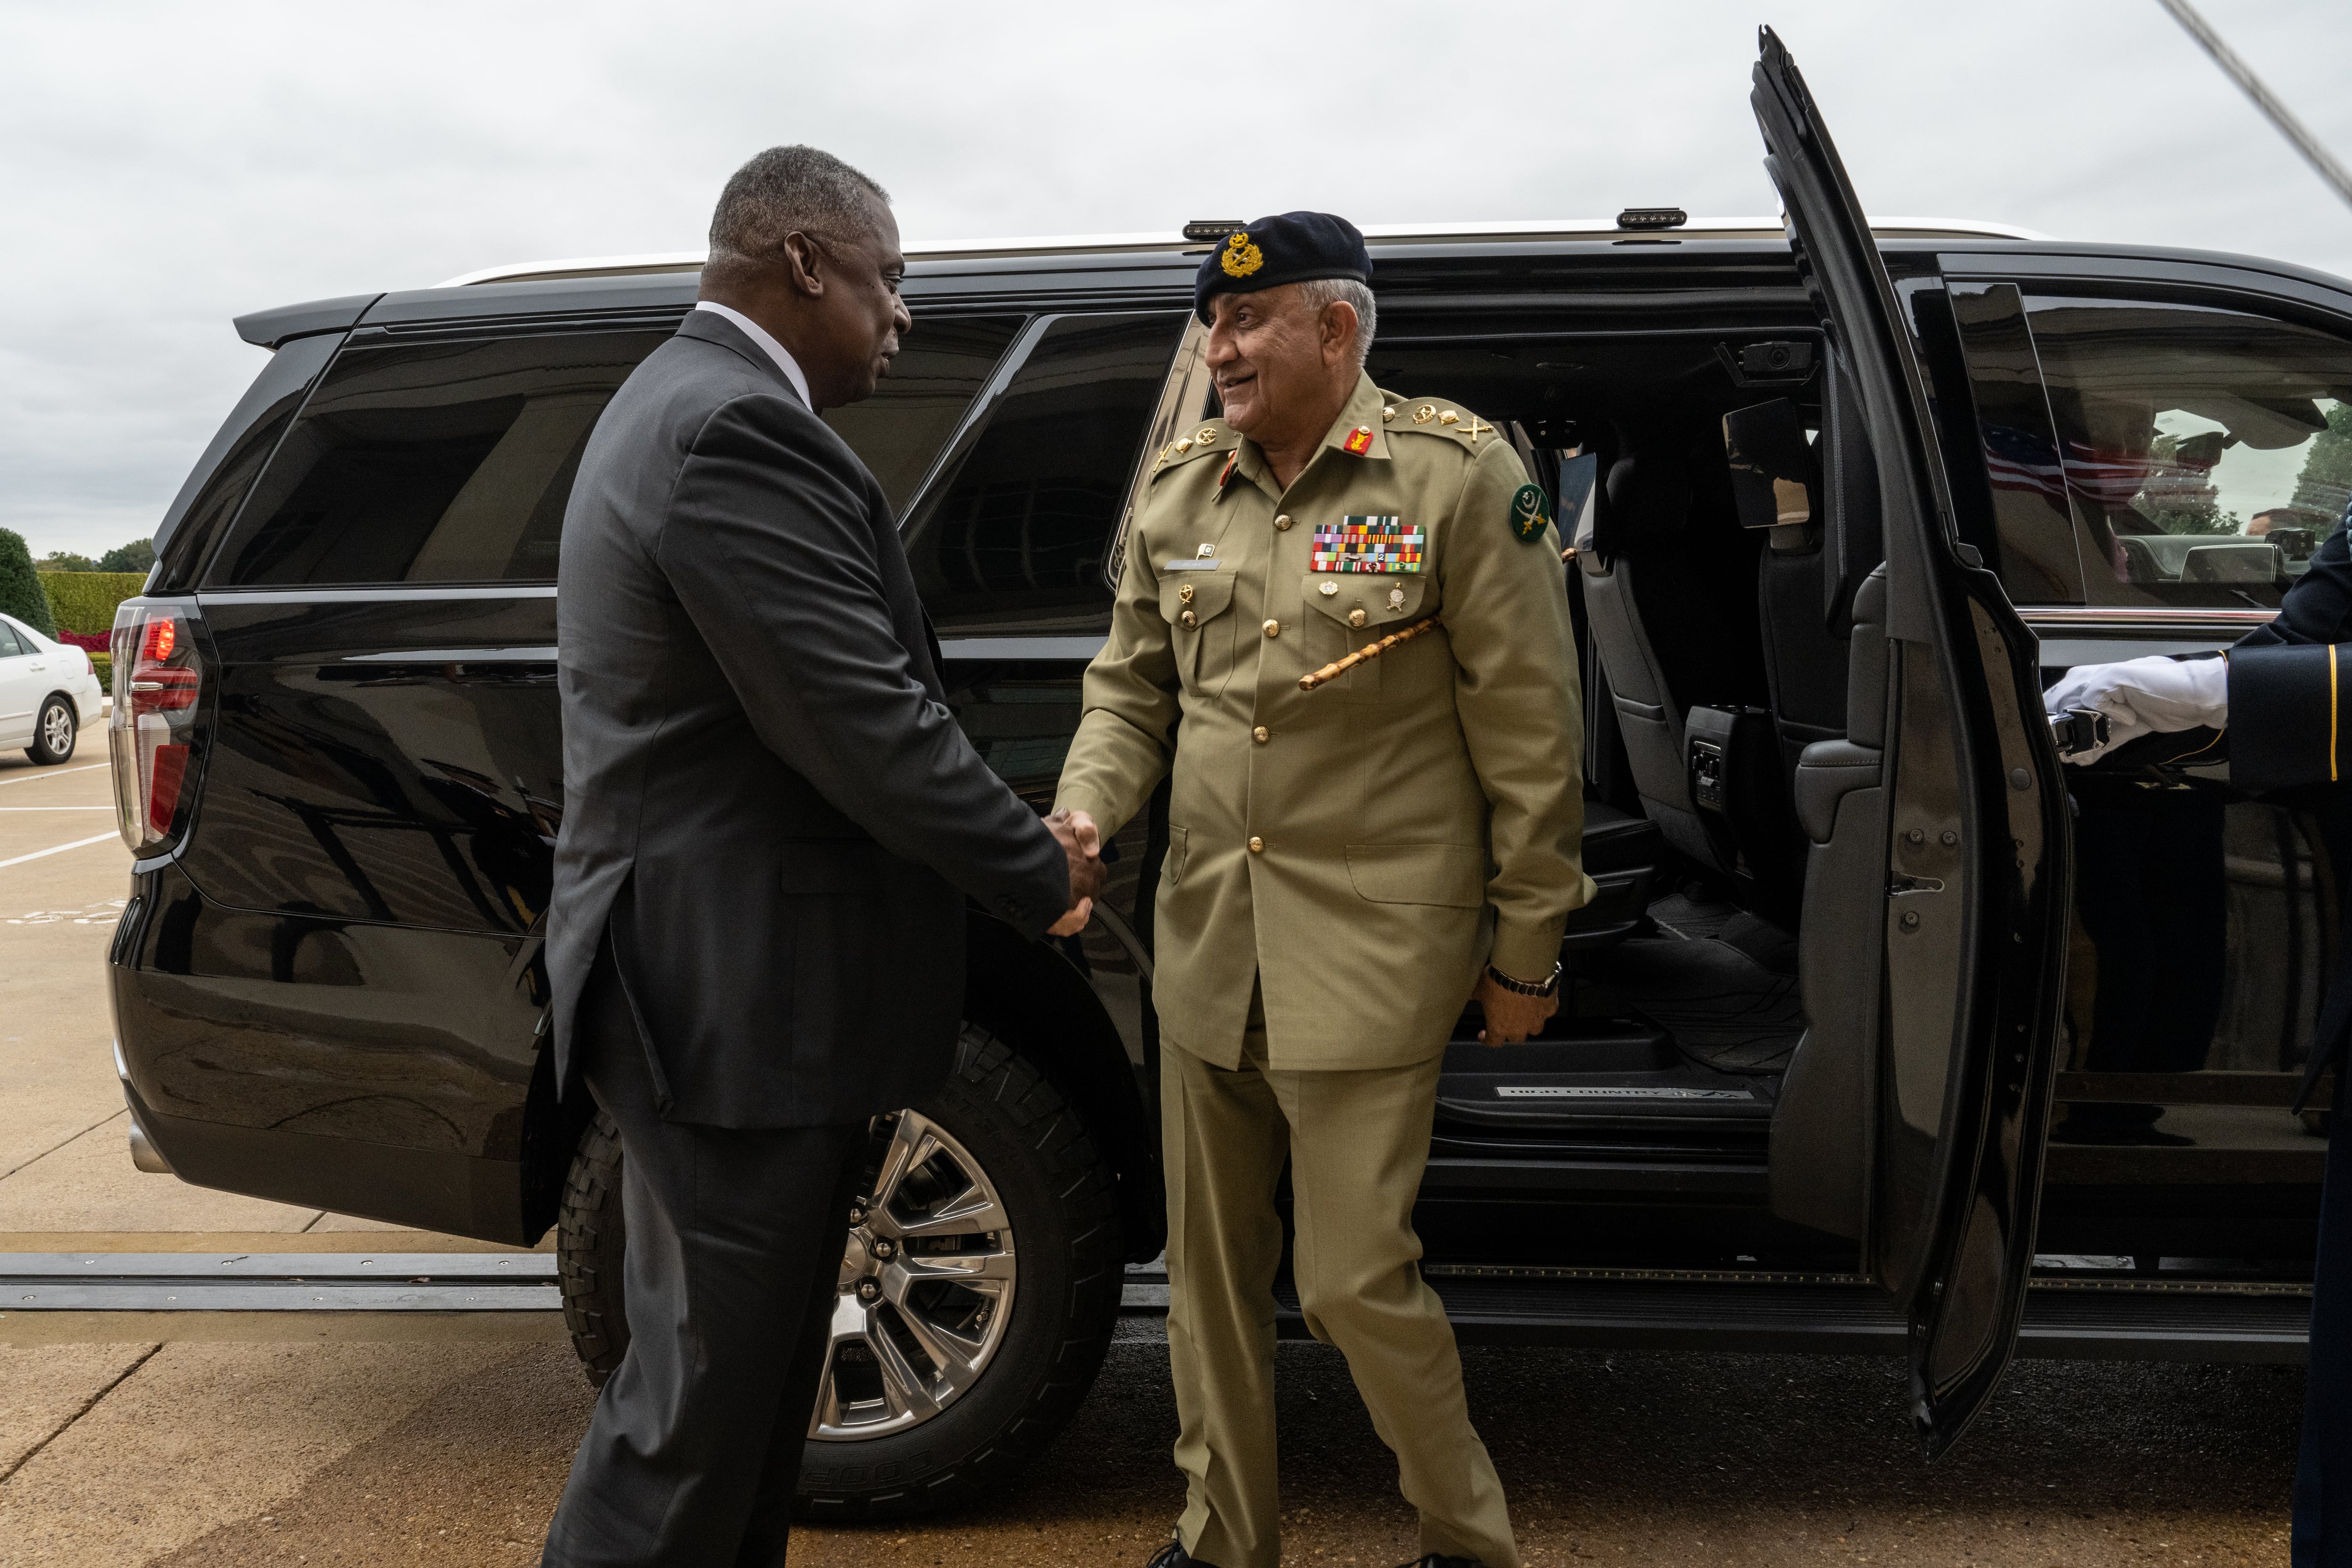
48	692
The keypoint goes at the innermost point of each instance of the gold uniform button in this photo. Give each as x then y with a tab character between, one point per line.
1261	735
1273	628
1355	618
1282	523
1190	619
1257	846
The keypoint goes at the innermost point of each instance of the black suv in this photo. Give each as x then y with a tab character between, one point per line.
1888	1031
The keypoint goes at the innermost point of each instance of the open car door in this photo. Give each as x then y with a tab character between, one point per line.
1976	867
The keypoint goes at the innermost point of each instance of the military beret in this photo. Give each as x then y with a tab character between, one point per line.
1289	247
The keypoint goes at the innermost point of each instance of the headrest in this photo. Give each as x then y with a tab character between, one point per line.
1649	503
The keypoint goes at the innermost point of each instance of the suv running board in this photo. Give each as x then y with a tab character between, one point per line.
1840	1315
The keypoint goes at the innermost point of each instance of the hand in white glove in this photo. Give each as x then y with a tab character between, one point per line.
2144	697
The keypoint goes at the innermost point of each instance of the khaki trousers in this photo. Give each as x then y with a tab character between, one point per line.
1358	1143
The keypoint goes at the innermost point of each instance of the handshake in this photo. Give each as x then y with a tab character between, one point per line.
1080	840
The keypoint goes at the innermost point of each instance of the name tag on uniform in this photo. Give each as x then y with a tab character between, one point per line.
1367	544
1192	565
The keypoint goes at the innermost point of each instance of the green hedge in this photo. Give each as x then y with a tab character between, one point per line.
84	602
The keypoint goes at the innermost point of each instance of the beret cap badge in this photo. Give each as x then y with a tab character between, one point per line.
1277	249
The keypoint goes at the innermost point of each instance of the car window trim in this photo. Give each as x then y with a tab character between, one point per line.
1188	379
977	413
370	594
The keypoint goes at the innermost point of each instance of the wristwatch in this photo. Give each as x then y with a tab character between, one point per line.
1526	988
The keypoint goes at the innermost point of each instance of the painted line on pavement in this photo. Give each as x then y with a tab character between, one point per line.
77	844
58	773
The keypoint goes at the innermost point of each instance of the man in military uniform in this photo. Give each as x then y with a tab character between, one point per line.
1346	865
2284	695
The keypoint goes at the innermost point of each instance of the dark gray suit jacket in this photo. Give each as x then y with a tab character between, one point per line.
765	796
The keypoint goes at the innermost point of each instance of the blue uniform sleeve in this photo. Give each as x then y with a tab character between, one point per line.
2289	682
2287	721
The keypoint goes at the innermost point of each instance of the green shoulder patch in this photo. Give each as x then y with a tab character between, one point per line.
1530	516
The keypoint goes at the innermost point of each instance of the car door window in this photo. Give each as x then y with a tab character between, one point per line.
941	366
16	691
2205	451
1013	536
430	463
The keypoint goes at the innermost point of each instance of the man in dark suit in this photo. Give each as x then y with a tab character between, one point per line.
771	823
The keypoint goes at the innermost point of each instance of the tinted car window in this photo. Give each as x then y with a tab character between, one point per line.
431	463
940	368
230	464
2207	452
9	646
1013	537
2039	559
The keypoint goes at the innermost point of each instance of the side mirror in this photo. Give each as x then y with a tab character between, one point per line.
1773	471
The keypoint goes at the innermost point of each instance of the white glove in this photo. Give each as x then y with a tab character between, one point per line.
2144	697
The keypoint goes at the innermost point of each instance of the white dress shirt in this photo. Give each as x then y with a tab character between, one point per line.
759	334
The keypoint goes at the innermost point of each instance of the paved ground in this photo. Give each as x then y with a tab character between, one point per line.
453	1453
266	1438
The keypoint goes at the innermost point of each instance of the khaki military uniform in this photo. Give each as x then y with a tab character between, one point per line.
1341	863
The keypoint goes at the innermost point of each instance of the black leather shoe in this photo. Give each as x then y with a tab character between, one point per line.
1435	1560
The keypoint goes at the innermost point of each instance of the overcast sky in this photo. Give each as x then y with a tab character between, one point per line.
169	166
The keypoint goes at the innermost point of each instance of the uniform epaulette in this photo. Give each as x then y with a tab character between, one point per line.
1435	416
1210	435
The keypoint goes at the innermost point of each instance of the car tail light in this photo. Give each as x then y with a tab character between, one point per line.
153	733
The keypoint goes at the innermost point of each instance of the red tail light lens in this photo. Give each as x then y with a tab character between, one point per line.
159	678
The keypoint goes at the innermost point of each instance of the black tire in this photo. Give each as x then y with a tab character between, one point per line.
58	719
1058	1191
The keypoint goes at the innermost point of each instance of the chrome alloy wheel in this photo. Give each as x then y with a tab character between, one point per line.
57	731
926	1287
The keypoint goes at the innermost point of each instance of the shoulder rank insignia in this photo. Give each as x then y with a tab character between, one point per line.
1529	515
1360	440
1197	443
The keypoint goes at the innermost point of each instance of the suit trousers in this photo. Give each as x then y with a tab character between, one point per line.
1358	1143
735	1242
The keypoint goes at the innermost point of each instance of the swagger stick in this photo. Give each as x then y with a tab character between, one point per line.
1333	671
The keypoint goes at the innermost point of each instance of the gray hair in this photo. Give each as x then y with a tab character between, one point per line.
780	192
1317	292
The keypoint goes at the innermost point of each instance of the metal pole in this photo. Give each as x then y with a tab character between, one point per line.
2291	128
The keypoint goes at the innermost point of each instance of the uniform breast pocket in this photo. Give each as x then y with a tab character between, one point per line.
1353	609
1197	605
